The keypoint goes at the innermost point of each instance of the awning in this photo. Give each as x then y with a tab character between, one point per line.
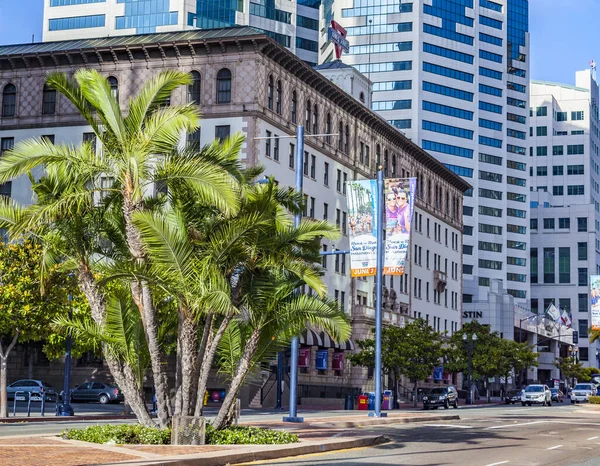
323	340
310	338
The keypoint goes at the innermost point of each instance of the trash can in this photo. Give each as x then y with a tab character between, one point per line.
349	404
388	400
371	401
363	401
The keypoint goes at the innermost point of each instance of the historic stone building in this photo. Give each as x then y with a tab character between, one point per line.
247	82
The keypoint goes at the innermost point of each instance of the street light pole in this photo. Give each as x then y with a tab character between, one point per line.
470	343
66	409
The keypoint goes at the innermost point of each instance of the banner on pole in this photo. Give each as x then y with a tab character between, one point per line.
399	205
595	301
362	225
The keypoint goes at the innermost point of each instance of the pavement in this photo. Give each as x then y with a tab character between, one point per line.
318	434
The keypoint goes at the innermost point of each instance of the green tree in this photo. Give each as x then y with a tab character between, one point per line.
514	357
26	313
139	150
570	368
413	351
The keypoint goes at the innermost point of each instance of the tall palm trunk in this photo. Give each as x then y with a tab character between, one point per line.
143	299
206	363
187	351
241	371
122	373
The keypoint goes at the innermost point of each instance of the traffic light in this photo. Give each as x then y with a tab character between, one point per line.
575	337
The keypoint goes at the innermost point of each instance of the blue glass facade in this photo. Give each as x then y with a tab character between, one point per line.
73	2
211	14
76	22
146	15
517	26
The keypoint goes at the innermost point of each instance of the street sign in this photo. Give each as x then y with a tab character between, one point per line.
575	337
337	34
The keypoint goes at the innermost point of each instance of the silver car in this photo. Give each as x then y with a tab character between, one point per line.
37	388
97	391
582	392
536	394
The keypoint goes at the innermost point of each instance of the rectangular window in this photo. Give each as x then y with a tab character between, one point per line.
561	116
549	265
541	151
448	110
313	166
564	265
516	213
533	223
305	164
489	264
557	170
583	328
576	190
558	150
492	229
490	176
541	111
582	300
490	39
533	265
575	170
494	23
558	190
575	149
449	72
564	223
326	174
541	171
76	22
582	254
577	115
222	132
582	276
291	163
548	224
491	159
6	188
268	145
582	224
325	211
276	149
338	181
490	211
541	131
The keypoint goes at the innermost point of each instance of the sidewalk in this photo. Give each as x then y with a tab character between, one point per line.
316	434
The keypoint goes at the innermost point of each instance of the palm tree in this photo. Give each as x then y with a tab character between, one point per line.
138	151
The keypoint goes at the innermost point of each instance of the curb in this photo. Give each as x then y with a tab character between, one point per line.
385	421
53	418
220	459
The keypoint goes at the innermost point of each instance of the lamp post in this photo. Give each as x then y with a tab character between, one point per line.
470	344
573	351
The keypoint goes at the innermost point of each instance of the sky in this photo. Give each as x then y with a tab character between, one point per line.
562	33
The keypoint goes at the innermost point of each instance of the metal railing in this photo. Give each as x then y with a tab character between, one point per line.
29	400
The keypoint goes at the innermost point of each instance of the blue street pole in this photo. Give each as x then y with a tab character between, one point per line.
66	409
378	292
294	345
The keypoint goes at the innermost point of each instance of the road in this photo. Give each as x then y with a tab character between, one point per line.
502	435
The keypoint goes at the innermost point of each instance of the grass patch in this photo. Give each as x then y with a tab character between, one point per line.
137	434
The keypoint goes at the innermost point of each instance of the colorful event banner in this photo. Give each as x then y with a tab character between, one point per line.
595	301
399	204
362	223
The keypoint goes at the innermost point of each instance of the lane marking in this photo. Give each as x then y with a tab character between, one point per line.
517	425
554	447
449	425
495	464
593	438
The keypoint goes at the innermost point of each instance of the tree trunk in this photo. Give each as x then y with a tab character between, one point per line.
187	351
206	363
207	334
415	394
30	360
3	369
241	372
123	374
127	382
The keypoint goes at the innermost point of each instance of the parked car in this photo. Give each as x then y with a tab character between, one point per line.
536	394
512	397
582	391
97	391
557	395
442	396
36	387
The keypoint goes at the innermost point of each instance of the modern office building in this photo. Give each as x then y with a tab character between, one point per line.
294	24
453	75
245	81
564	170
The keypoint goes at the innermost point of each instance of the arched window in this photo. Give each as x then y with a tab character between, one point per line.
341	137
294	107
48	100
385	162
224	86
270	92
347	145
315	120
194	89
394	165
308	110
362	97
328	128
279	91
9	101
114	87
378	155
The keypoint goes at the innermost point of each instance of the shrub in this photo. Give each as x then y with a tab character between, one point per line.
137	434
594	400
121	434
238	435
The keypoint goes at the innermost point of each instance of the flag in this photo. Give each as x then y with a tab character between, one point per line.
566	319
552	312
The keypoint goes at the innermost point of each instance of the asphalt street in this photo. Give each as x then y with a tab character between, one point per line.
502	435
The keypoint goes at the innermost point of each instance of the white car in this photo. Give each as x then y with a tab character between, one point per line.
582	392
536	394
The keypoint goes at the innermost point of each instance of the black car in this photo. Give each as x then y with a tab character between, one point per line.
512	397
443	396
557	395
97	391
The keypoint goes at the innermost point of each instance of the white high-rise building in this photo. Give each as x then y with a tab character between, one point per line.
453	75
294	24
565	210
